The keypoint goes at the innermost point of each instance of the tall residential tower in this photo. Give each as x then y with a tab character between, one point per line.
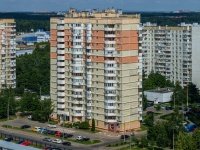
7	53
96	71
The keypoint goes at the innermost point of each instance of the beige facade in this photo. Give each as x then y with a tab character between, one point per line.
7	53
95	69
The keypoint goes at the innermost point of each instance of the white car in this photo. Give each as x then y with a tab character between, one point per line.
51	125
30	117
58	141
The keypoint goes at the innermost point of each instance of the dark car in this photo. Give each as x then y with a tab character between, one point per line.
25	126
150	112
66	143
51	148
8	139
126	137
66	135
150	104
168	108
22	141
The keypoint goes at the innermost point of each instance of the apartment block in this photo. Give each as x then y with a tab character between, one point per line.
172	51
7	53
96	69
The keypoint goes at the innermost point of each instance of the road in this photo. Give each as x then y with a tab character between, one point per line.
106	137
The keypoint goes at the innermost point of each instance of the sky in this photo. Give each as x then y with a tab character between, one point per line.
131	5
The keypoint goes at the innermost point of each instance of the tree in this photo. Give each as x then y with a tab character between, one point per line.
93	125
193	94
84	125
149	121
144	101
196	137
144	141
158	107
178	96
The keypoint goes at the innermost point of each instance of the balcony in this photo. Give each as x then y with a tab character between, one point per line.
61	88
77	77
110	74
110	94
61	57
77	46
77	95
77	83
3	51
60	40
61	81
61	22
77	102
110	42
110	114
77	40
89	117
110	35
89	110
90	104
62	106
60	45
109	48
61	64
77	108
77	71
62	70
60	28
110	62
110	81
61	51
88	47
110	107
60	34
61	94
77	90
61	100
110	120
77	52
109	29
77	114
89	39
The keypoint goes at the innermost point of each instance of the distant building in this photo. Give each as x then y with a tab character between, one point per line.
172	51
7	53
31	38
43	97
160	95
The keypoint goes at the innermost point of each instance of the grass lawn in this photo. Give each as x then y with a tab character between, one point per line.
89	130
132	148
10	118
85	142
167	117
117	144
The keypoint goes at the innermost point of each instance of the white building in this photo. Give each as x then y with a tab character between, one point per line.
160	95
172	51
42	36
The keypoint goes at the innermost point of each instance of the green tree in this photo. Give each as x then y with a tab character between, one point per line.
93	125
196	137
144	101
84	125
144	141
158	107
149	120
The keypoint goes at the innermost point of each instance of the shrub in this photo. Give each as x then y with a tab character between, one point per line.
84	125
93	125
116	144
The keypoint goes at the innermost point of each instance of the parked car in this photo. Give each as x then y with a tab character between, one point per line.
190	127
82	138
26	143
48	139
22	141
58	141
168	108
126	137
58	133
66	143
51	125
25	126
37	129
66	135
30	117
52	132
8	139
150	104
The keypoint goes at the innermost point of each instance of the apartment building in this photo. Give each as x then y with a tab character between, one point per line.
96	69
7	53
172	51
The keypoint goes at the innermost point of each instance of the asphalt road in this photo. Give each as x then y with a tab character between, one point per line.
99	146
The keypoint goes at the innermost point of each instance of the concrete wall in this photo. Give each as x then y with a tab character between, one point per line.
158	97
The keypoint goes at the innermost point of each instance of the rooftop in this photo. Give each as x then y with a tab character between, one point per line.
161	90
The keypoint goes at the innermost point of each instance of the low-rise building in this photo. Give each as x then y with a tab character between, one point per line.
159	95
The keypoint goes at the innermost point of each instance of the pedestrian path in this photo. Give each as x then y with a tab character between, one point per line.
60	129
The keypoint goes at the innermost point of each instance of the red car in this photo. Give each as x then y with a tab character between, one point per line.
26	143
58	133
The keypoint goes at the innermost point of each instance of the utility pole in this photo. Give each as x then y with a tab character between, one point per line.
8	113
63	126
187	95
